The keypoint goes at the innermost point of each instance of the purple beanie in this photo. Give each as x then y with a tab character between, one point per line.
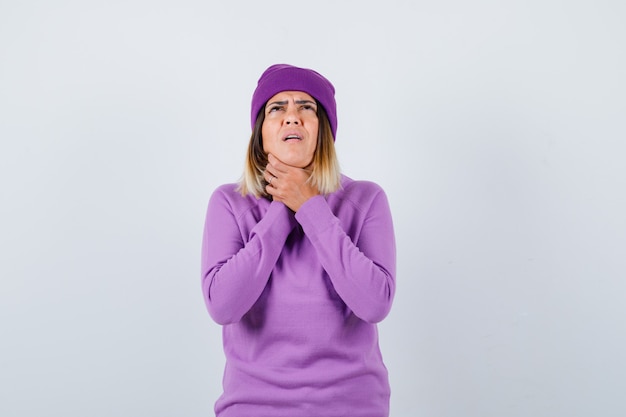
283	77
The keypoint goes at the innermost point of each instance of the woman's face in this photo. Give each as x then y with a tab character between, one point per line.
290	128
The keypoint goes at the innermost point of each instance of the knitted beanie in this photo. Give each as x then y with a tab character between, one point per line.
283	77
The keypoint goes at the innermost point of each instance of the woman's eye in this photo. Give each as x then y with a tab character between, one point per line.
273	109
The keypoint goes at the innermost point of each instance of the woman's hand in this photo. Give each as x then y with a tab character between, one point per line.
288	184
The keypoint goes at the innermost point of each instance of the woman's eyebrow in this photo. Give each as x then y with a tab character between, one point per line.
278	103
285	102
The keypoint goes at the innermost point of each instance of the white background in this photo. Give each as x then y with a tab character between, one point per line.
497	129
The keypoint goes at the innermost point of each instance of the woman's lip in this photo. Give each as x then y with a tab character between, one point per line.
292	136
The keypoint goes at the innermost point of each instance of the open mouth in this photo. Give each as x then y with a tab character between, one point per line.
292	137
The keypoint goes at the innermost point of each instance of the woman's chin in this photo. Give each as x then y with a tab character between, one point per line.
295	162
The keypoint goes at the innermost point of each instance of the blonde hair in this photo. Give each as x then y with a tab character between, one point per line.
325	174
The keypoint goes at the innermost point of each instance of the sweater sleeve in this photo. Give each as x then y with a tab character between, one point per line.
235	271
363	271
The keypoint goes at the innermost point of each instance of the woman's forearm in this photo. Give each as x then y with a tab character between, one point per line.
235	271
362	272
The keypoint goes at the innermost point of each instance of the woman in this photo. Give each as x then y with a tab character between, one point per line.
298	264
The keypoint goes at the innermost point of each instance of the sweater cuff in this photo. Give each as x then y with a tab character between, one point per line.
278	221
315	216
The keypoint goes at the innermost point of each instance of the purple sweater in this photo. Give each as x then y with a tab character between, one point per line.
298	296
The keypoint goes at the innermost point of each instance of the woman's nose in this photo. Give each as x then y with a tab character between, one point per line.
292	117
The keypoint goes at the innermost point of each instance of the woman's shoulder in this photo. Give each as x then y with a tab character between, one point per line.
358	191
227	190
229	194
352	186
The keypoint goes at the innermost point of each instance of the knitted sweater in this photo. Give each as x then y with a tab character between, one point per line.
298	296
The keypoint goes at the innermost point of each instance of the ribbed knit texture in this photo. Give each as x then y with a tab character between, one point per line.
298	297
